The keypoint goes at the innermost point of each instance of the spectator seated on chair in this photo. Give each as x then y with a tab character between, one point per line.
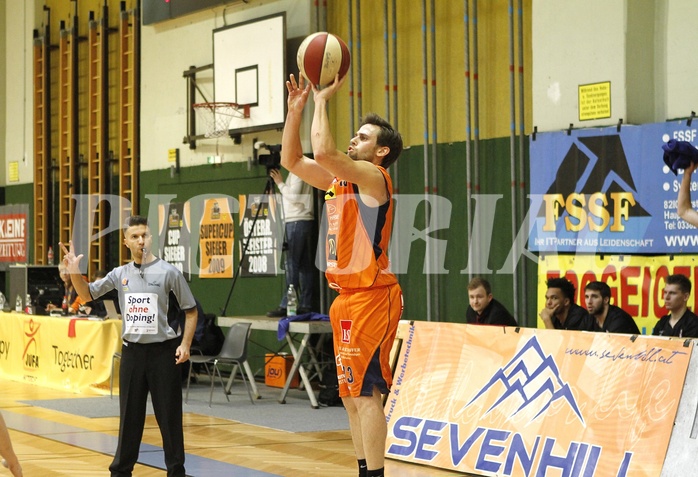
69	293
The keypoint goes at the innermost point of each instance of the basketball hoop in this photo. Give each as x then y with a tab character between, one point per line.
216	117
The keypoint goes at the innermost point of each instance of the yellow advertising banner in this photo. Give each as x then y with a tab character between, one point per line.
637	282
61	353
216	239
523	402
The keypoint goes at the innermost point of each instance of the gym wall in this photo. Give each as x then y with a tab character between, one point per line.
645	51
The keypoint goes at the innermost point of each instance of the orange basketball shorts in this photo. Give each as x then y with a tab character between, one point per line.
364	323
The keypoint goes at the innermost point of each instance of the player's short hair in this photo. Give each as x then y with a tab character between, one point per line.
134	220
681	280
601	287
563	284
480	282
387	136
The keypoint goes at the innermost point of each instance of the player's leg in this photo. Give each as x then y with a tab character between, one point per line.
356	433
307	270
9	460
294	250
373	428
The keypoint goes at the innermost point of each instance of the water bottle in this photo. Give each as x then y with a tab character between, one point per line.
18	304
28	308
50	255
291	301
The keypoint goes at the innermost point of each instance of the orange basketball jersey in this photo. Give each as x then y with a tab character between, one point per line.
357	237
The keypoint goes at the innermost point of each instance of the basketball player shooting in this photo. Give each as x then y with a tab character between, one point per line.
358	202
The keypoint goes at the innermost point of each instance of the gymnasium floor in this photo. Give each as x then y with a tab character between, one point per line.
54	443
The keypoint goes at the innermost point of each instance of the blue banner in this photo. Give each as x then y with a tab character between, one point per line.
608	191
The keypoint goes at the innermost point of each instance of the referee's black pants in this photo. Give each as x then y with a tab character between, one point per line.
149	368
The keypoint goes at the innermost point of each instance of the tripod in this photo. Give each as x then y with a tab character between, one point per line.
268	191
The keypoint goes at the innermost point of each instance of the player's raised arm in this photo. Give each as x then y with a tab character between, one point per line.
684	208
363	153
292	157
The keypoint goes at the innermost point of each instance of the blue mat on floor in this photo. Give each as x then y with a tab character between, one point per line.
294	416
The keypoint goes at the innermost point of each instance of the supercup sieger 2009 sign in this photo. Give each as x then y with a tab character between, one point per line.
216	239
604	191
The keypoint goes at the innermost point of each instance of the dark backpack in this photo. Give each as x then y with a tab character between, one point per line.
208	336
329	388
212	338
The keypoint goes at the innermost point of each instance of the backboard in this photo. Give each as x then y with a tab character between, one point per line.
249	62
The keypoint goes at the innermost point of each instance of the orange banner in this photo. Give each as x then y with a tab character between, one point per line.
523	402
216	239
56	352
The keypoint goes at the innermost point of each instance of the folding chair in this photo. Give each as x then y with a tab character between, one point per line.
234	351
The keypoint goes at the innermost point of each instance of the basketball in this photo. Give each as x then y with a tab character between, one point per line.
321	56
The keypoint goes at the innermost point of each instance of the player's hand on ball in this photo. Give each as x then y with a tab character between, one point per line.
297	93
328	91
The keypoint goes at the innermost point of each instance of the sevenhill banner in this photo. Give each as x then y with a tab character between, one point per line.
522	402
637	283
608	191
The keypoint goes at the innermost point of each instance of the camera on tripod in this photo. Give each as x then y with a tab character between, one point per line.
271	160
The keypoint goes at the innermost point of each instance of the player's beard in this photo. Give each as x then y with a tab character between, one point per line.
356	156
596	310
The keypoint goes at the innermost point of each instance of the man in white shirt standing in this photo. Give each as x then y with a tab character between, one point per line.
301	242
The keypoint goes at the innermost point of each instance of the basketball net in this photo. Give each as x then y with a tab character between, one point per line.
216	117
